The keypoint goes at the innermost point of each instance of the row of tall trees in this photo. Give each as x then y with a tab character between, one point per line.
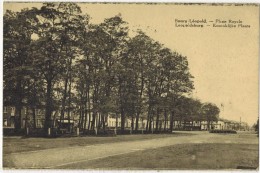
56	60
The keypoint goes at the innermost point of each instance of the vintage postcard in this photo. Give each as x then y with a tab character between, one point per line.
130	86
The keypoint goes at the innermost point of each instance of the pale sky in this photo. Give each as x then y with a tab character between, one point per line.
224	61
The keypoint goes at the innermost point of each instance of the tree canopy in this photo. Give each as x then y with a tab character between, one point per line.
54	58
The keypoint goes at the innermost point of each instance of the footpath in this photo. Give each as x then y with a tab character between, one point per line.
58	157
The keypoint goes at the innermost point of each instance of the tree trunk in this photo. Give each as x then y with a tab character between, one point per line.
54	118
132	123
122	119
63	102
89	118
80	117
122	111
89	109
116	121
48	106
99	121
103	123
148	119
160	126
157	119
69	102
140	96
18	107
34	117
26	118
165	119
84	117
137	121
171	121
93	120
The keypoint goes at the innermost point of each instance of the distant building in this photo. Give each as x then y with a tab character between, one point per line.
8	116
110	121
27	117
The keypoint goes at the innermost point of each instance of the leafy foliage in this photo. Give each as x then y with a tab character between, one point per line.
54	58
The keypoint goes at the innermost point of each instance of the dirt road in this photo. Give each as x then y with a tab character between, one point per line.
58	157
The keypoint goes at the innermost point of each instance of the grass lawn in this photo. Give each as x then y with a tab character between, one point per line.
182	156
13	145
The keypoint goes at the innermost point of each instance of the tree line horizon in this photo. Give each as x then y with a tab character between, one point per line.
55	59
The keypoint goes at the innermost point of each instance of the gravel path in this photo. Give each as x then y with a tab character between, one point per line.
58	157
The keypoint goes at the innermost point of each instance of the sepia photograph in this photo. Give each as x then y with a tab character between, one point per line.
130	86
